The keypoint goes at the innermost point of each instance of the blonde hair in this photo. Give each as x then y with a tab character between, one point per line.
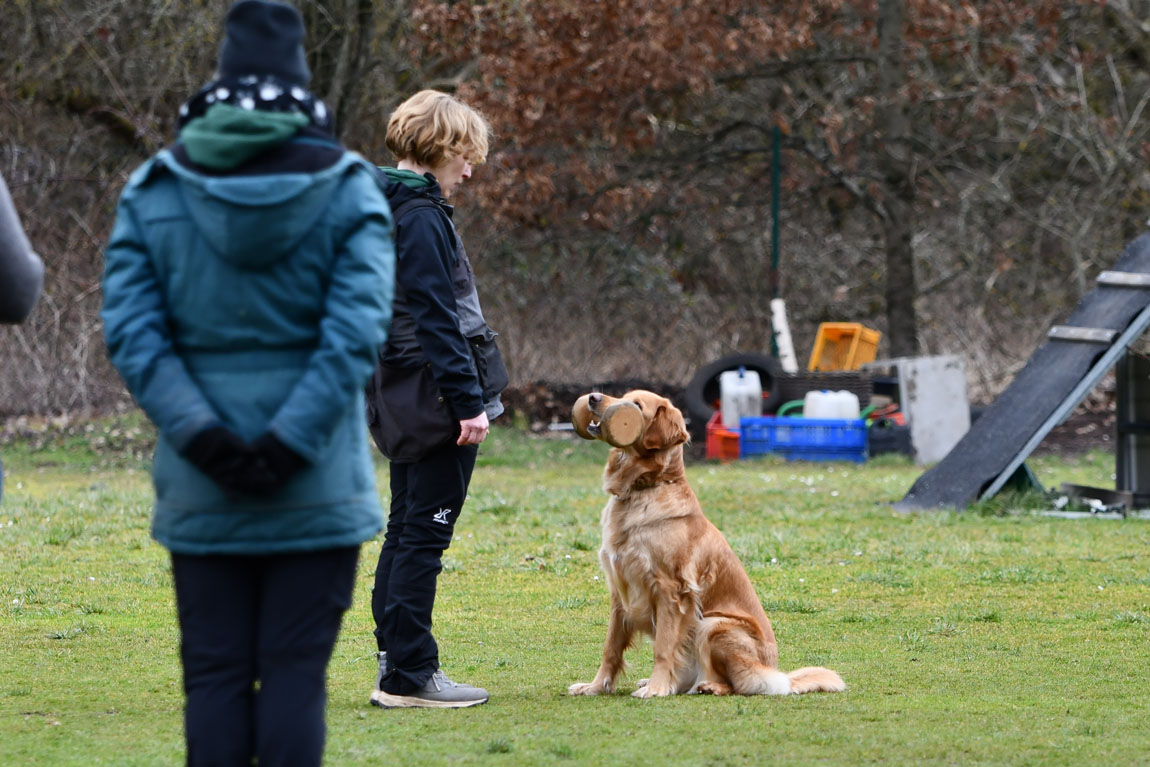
432	128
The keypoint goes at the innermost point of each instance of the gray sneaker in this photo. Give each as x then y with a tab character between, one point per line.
439	692
382	669
382	655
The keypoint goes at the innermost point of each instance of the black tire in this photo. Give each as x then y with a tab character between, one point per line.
702	391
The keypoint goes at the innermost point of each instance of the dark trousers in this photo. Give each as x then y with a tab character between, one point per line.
426	498
256	636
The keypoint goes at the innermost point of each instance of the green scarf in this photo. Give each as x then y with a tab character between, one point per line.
408	178
227	136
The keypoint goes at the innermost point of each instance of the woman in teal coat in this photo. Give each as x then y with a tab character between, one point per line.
247	288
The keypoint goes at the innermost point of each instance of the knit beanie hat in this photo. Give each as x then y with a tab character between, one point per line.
264	37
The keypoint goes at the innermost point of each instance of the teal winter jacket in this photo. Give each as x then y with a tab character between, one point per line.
258	302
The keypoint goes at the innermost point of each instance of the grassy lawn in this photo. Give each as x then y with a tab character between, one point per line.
995	636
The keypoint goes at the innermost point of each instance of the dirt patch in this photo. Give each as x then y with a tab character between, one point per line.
1082	432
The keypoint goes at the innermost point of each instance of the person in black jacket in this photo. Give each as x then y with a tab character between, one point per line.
435	389
21	272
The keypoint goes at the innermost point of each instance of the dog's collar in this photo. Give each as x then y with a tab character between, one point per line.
641	484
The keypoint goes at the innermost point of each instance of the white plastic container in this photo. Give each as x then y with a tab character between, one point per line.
831	404
740	394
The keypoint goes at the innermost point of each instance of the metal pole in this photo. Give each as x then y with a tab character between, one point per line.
775	141
774	273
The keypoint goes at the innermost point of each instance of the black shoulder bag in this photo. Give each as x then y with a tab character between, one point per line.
406	414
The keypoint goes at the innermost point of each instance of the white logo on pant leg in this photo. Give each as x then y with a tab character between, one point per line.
441	516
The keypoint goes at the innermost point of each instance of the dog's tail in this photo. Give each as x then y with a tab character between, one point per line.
815	679
771	681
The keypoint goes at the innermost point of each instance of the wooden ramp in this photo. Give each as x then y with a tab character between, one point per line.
1057	378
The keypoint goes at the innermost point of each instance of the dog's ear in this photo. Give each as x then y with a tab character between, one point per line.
666	429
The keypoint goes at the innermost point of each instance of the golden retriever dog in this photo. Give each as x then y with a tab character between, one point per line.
671	573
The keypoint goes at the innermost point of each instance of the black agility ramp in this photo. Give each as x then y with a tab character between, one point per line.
1058	376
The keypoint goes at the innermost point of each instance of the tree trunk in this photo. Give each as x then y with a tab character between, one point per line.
894	159
340	34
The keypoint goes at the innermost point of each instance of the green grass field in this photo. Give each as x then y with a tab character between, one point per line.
996	636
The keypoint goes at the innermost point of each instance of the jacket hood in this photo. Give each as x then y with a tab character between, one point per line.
254	221
227	136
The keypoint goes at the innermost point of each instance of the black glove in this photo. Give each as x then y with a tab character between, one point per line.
219	452
272	464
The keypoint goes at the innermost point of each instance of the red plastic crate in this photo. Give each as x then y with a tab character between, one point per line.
722	444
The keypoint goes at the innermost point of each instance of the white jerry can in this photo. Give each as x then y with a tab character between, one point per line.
740	394
838	405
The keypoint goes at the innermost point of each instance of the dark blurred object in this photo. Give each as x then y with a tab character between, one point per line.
887	437
21	271
793	386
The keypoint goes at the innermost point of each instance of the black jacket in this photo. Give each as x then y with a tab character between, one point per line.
425	323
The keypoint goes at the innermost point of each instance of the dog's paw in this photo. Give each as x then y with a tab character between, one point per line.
642	683
587	688
653	691
712	688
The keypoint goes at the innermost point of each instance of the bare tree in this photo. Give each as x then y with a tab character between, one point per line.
894	161
340	32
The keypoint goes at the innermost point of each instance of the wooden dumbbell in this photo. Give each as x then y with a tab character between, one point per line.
620	426
581	417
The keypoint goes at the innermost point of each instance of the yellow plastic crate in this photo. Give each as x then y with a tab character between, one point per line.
843	346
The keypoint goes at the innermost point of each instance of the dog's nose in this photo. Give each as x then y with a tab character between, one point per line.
594	399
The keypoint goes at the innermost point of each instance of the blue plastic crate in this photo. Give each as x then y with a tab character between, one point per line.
805	439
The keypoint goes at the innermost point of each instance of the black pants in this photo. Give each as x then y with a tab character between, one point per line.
426	498
267	619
